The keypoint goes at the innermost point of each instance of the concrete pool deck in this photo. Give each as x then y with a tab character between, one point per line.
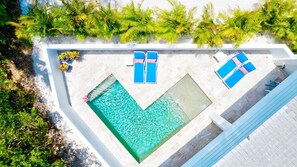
95	66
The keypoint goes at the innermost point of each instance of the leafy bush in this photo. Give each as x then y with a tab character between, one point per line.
73	55
240	26
108	22
37	22
207	32
172	24
63	67
75	17
23	140
82	19
3	15
281	20
136	24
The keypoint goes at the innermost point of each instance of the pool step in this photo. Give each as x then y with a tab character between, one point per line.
101	87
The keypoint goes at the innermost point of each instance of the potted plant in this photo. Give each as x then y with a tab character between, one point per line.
73	55
65	67
69	56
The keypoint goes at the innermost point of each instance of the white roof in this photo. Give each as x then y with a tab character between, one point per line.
272	144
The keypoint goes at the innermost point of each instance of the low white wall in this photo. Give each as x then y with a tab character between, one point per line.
60	95
278	51
290	64
281	54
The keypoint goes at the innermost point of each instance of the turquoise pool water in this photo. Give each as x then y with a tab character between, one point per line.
140	131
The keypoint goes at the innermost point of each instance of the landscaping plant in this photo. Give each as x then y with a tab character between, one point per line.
108	21
38	22
27	136
136	24
73	55
172	24
75	17
281	20
240	26
207	32
82	18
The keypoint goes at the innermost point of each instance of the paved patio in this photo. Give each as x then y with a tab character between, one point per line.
95	66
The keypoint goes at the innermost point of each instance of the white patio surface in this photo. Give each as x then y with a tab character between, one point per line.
172	66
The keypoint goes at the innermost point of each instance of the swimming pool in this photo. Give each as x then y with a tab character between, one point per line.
140	131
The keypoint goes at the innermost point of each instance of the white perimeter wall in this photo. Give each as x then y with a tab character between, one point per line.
281	54
59	91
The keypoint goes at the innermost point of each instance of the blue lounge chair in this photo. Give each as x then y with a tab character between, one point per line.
239	74
139	67
231	65
151	67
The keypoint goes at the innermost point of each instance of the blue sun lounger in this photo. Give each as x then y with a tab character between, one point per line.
139	67
231	65
239	74
151	67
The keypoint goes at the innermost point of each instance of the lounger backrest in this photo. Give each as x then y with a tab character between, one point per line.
241	57
249	67
152	55
139	55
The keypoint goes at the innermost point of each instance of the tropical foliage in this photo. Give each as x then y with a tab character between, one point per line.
24	139
107	23
207	32
136	24
73	55
3	14
281	20
75	17
132	23
172	24
240	25
37	22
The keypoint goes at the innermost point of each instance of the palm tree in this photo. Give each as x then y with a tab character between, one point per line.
136	24
75	18
172	24
107	21
37	22
280	18
241	25
207	32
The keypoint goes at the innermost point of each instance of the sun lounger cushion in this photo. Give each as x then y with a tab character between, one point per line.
231	65
239	74
139	67
151	67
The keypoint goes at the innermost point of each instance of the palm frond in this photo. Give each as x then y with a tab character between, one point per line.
172	24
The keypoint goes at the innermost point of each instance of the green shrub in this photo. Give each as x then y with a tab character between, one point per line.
240	26
281	20
3	15
63	66
136	24
23	140
75	17
108	22
73	55
37	23
207	32
81	19
172	24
